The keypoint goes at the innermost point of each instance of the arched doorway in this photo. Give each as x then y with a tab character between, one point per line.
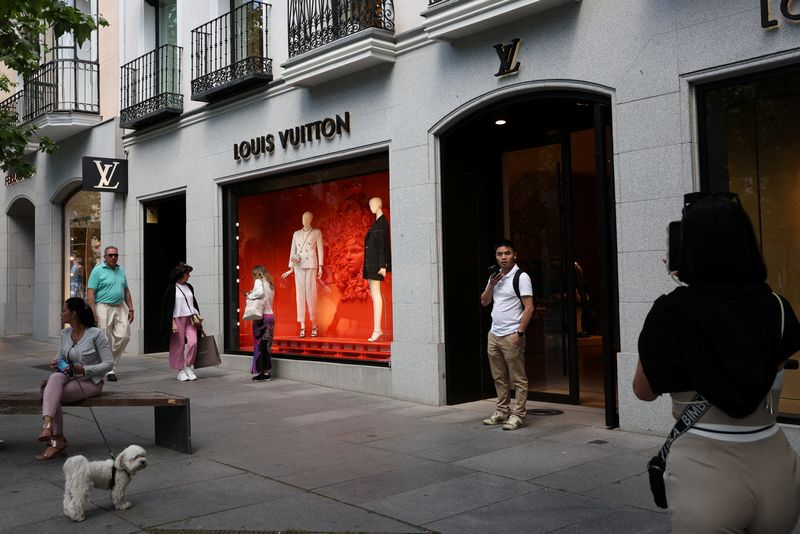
20	267
537	169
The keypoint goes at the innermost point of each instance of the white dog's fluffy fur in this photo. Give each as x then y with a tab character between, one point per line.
82	475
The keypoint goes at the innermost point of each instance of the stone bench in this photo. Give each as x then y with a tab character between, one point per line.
172	420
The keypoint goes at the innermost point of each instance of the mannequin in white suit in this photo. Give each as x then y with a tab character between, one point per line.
305	262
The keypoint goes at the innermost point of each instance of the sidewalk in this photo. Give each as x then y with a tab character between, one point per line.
284	455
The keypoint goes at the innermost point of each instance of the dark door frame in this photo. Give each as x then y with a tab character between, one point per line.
155	272
606	200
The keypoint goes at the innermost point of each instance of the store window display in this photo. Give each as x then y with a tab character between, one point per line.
332	275
81	241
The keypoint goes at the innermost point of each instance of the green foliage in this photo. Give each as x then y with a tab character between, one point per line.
22	23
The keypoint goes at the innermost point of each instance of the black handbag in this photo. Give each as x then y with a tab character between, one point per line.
658	463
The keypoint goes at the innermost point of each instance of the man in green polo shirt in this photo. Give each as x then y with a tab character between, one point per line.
110	299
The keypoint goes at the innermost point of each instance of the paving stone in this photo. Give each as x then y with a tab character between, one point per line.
623	520
539	511
307	512
592	475
534	459
405	477
444	499
202	498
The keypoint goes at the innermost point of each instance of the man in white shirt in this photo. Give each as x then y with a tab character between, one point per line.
511	313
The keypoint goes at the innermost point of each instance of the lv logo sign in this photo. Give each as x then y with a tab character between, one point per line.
508	57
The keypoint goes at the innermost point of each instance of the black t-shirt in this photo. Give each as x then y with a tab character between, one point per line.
723	342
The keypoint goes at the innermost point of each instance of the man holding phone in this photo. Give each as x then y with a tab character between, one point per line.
511	292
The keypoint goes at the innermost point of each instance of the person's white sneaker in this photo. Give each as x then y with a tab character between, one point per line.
190	372
514	422
182	376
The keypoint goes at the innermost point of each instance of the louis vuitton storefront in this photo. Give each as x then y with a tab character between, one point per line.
573	128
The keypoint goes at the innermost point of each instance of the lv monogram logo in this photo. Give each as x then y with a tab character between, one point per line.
508	57
106	174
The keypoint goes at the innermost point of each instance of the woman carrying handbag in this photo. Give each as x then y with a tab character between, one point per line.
258	309
182	321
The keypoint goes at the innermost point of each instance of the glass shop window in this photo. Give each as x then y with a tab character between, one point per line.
327	249
750	141
82	250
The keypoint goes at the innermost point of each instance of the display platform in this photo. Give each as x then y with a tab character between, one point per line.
331	347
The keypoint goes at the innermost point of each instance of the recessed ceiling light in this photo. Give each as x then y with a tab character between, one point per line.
500	122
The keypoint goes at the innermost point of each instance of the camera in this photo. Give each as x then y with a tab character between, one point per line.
494	270
63	366
673	245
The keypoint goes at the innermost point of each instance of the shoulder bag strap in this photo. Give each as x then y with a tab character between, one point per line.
696	409
783	312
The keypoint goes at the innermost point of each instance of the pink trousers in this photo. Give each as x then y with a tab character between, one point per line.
62	388
187	331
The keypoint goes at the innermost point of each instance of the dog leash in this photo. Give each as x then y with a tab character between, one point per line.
110	452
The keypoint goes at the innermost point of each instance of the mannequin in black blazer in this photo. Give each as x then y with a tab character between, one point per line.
377	262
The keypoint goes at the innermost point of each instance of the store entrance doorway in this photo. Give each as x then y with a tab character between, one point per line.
536	170
164	246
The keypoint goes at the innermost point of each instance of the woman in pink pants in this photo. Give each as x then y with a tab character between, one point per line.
83	359
177	311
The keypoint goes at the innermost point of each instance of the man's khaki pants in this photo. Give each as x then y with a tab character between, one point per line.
507	361
113	320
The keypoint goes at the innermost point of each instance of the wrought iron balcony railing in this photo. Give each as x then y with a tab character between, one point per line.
61	85
313	23
151	87
230	52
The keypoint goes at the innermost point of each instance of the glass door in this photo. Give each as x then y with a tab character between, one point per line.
533	201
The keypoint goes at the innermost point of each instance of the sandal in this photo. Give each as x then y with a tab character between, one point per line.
314	332
54	450
47	432
302	332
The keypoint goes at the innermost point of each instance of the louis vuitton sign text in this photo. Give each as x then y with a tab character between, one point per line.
296	136
105	175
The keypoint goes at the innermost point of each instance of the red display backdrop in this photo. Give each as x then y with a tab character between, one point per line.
344	307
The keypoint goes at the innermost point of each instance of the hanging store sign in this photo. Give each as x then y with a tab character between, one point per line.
508	57
105	175
768	22
296	136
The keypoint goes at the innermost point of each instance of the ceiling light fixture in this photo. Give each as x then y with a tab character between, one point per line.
500	122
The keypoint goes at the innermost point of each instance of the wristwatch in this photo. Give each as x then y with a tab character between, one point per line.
520	333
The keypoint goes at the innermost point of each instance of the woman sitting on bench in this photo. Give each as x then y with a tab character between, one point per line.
83	359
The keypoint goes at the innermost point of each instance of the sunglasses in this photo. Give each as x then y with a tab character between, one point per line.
113	255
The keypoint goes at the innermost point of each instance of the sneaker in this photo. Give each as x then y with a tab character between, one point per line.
190	373
182	376
111	377
262	376
514	422
497	418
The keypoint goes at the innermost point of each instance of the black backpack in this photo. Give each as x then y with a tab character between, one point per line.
515	283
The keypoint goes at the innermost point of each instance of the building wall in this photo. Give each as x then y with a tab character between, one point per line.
641	54
645	56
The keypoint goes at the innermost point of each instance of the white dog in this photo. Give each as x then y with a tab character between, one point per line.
106	474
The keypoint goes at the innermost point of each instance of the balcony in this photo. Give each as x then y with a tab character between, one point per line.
62	98
453	19
229	54
151	88
334	38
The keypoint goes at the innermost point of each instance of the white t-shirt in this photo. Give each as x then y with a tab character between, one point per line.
507	308
184	307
